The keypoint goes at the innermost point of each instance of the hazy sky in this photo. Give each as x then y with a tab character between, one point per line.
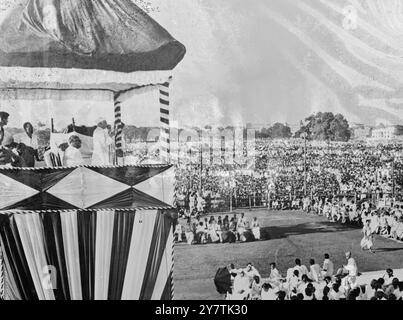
280	60
264	61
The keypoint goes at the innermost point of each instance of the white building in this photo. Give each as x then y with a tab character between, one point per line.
388	133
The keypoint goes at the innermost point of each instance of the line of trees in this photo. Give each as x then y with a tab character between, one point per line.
322	126
277	131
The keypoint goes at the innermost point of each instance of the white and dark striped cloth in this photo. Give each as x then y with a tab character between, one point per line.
95	255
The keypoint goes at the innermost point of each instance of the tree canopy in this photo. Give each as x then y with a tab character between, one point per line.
276	131
326	126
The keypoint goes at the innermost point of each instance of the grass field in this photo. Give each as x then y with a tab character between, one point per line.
293	234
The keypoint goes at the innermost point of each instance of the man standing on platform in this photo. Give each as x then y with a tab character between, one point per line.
3	122
101	142
7	157
28	145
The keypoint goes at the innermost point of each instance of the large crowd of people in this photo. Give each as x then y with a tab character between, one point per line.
317	282
285	171
381	220
218	229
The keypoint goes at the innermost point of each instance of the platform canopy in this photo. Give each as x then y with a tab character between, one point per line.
48	43
60	49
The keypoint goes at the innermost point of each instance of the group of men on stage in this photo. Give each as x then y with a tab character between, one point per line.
69	154
21	150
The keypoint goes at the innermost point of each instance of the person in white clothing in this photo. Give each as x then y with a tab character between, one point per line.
388	277
28	137
350	269
101	143
256	228
241	286
294	283
315	272
251	272
302	269
275	275
367	241
72	155
241	225
8	158
268	293
328	267
29	145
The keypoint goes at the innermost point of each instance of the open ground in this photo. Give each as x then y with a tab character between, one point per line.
289	235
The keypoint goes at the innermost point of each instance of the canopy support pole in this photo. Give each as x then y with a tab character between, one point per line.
164	119
2	273
118	129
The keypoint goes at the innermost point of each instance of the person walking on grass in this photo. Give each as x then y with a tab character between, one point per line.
367	242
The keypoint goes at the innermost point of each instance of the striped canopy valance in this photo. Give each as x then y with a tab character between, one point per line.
90	255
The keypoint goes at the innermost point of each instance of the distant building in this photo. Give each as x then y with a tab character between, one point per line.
388	132
360	131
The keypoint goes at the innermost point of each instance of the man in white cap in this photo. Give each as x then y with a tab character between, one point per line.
350	269
101	142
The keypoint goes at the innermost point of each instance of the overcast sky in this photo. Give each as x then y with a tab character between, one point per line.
264	61
280	60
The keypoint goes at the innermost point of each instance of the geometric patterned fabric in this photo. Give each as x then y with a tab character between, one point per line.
83	188
12	191
86	187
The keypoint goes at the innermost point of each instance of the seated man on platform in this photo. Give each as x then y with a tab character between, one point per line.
53	159
8	158
28	145
72	155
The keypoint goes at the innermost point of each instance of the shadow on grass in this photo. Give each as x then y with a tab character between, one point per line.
387	249
281	232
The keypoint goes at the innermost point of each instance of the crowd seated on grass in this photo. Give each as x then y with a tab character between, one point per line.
384	221
218	229
318	282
